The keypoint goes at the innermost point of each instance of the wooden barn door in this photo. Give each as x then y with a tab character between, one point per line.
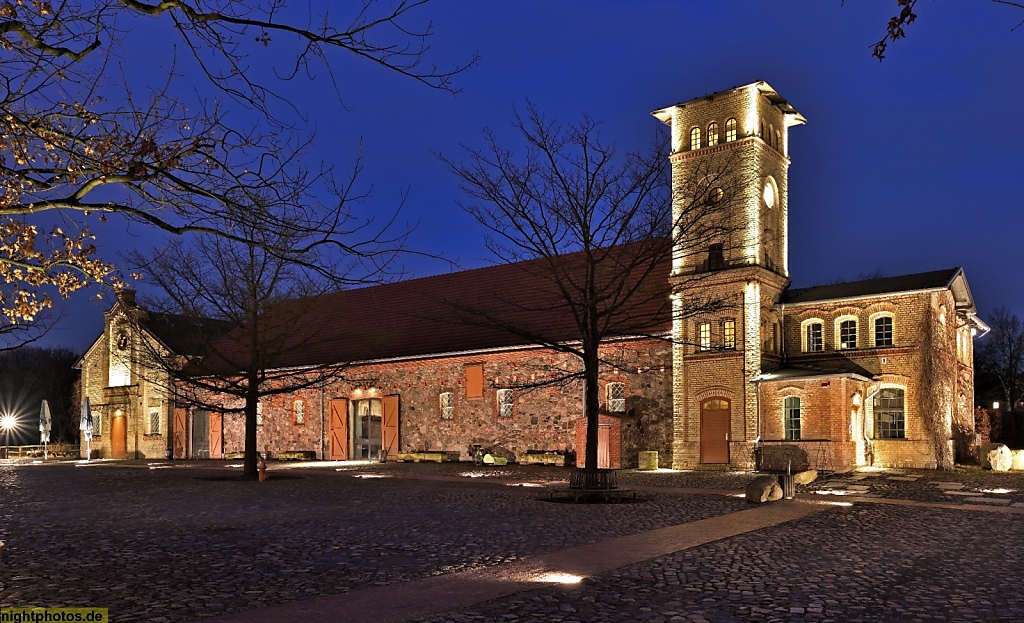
216	435
118	436
389	428
715	418
180	448
338	442
604	455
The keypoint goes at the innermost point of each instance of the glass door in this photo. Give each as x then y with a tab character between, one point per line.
366	428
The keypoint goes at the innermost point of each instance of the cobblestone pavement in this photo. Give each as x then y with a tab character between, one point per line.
181	543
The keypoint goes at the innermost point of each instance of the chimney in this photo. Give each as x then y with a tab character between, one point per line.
126	296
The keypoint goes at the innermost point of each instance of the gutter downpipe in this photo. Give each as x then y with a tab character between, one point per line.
322	436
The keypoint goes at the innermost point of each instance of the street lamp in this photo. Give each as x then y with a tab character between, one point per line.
7	422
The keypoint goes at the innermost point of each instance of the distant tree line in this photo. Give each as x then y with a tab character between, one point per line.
999	378
30	374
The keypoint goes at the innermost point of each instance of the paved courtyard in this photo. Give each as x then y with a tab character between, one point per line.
173	542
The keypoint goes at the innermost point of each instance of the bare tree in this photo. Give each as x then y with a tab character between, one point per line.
597	224
1000	360
244	310
80	139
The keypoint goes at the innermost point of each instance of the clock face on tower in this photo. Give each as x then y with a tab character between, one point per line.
769	195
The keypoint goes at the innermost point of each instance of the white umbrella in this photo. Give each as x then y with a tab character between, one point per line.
86	427
44	427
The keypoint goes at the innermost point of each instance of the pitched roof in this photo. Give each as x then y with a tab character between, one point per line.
871	287
181	334
430	316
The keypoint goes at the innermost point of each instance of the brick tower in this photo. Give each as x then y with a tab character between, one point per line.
729	155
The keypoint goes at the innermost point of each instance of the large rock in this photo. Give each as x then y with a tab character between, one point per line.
805	477
1018	460
763	489
996	457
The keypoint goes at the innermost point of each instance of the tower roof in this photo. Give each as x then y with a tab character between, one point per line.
792	116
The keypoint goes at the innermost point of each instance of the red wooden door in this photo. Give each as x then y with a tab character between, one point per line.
604	455
715	418
179	434
216	435
118	436
338	427
389	426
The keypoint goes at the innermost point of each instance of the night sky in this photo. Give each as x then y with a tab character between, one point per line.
908	165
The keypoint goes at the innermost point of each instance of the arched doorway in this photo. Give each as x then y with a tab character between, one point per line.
118	436
715	419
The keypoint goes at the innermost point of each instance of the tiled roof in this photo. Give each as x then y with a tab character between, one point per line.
428	316
870	287
183	335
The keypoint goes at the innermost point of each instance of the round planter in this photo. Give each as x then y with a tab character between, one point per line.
592	479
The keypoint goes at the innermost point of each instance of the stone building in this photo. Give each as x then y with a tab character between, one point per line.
875	372
131	399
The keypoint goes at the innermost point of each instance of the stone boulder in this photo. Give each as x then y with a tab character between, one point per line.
763	489
1018	460
996	457
805	477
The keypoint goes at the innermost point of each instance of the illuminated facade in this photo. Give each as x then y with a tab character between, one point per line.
877	372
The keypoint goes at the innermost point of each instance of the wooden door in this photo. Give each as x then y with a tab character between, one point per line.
389	428
200	434
118	436
604	455
715	418
216	435
179	446
338	430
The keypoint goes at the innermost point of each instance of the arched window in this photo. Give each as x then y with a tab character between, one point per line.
695	139
764	135
846	332
771	136
791	418
730	130
813	336
712	134
778	140
883	325
890	417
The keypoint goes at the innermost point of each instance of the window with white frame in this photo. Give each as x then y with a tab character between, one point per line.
704	336
730	130
848	333
259	414
616	393
695	138
883	331
729	334
890	416
154	420
712	134
815	337
791	418
505	403
447	400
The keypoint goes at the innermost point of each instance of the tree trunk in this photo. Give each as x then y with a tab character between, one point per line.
591	405
250	462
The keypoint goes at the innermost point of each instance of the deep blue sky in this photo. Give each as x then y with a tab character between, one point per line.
908	165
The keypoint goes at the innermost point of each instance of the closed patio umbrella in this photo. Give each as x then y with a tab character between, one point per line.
44	427
86	427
